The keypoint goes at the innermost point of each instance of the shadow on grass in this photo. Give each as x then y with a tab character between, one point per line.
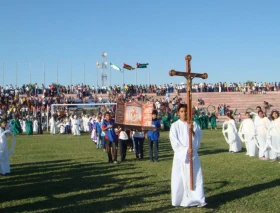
212	151
74	187
208	187
217	200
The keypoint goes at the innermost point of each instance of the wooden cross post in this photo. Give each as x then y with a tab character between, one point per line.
189	76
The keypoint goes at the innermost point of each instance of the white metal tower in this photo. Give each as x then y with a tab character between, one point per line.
104	69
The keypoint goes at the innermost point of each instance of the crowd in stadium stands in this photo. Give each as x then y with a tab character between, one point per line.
32	98
86	90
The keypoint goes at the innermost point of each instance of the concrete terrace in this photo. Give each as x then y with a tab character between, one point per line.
236	100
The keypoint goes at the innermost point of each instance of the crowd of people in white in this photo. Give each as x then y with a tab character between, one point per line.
73	124
260	134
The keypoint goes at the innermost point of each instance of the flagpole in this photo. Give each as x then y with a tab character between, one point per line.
84	73
30	72
96	77
3	73
123	78
56	72
149	74
136	76
110	76
17	74
44	74
71	76
161	76
173	69
146	78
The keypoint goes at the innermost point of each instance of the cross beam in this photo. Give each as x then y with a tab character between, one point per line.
189	76
186	75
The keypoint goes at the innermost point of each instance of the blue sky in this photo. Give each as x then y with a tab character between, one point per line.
230	40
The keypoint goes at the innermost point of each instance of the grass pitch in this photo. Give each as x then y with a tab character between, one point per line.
64	173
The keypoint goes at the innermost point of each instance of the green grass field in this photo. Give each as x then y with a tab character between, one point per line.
64	173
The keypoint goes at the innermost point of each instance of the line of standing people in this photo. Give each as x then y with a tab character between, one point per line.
111	138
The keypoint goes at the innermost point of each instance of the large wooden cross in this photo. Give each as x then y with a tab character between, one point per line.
189	76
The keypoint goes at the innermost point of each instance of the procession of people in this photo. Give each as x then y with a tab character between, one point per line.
260	135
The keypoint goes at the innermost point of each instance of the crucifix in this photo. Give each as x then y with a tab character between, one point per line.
189	76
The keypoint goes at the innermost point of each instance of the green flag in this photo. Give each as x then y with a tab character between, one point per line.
138	65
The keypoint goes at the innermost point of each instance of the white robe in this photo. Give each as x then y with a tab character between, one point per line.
58	123
247	128
62	129
23	126
180	192
10	126
81	124
274	139
53	129
261	130
72	125
35	126
234	140
256	118
4	153
76	124
85	122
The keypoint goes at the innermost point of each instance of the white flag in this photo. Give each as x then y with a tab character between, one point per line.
115	67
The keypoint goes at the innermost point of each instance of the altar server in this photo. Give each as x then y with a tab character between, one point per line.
180	185
233	139
5	153
274	136
247	128
261	130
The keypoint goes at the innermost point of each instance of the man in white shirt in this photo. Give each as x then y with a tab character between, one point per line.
157	103
123	139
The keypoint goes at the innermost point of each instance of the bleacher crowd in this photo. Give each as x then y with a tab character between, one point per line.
32	98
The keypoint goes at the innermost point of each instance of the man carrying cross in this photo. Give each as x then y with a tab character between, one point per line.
186	179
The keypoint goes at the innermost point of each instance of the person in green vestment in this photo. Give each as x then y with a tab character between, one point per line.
203	121
213	122
175	117
197	119
173	112
166	122
197	111
16	126
206	119
29	126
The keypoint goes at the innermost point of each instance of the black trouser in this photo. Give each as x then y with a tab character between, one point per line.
67	129
153	147
111	148
139	147
123	148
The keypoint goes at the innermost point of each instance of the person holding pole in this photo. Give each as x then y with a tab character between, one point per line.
187	181
181	192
